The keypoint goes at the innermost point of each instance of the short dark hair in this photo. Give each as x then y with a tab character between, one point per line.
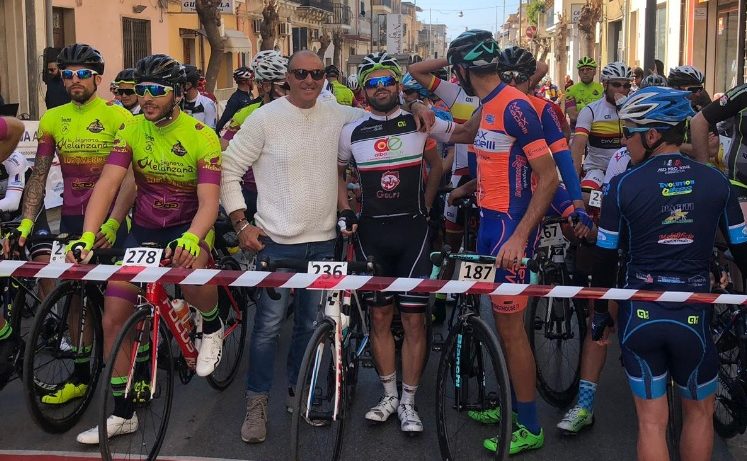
638	72
484	71
676	134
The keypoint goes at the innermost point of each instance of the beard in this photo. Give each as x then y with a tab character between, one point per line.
81	96
384	106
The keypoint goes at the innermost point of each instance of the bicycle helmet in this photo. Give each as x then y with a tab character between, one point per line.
441	73
352	82
474	49
270	66
192	75
586	61
409	83
331	71
517	59
616	71
242	73
653	80
80	54
125	76
685	76
160	68
377	61
656	105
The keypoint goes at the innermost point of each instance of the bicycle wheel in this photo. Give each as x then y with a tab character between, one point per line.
232	305
63	353
674	423
20	313
730	415
355	342
152	404
556	328
472	377
316	433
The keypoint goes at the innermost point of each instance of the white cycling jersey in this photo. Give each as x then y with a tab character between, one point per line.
12	181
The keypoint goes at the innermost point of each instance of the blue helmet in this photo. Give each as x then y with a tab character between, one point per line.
655	105
409	83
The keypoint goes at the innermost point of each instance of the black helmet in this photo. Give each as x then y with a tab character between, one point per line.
159	68
474	48
125	76
80	54
517	59
331	71
685	76
192	75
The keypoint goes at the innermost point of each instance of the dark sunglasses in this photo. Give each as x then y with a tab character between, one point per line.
376	82
410	91
694	89
125	92
154	89
83	74
626	85
301	74
512	75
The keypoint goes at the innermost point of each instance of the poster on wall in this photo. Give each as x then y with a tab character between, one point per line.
27	147
394	33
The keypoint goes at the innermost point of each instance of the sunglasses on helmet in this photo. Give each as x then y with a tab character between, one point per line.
301	74
153	89
625	85
82	74
512	75
376	82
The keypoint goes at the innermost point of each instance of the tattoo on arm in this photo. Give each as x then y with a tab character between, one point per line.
33	197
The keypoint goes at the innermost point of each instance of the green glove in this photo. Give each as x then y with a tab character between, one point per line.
190	242
25	227
86	241
109	229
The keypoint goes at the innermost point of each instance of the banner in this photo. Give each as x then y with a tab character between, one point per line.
394	35
226	7
27	147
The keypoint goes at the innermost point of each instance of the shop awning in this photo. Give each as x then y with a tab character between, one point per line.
237	42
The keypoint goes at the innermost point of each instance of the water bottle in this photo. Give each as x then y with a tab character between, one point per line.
182	314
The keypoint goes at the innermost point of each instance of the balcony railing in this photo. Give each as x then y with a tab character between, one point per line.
319	4
340	14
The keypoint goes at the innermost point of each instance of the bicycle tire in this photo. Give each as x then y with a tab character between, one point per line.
302	448
674	423
729	417
556	388
47	336
350	349
234	315
469	338
139	326
21	318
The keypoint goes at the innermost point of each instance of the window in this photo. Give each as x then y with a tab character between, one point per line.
135	40
63	24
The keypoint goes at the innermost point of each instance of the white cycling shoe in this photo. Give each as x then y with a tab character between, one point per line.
114	426
384	409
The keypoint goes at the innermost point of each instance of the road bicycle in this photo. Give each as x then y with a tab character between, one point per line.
158	341
556	327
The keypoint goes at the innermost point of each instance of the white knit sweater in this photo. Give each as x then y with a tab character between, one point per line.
293	153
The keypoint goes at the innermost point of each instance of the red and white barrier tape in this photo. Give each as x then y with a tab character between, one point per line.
135	274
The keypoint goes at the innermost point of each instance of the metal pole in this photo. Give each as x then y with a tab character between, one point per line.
33	67
370	14
649	41
430	32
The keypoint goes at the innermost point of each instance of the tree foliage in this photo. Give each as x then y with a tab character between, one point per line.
270	24
209	14
534	8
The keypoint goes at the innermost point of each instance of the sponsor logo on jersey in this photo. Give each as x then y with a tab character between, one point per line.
95	126
676	238
669	279
199	126
83	185
490	118
677	217
390	144
673	167
178	149
644	277
670	189
165	205
518	116
482	140
723	100
520	175
390	180
697	281
689	206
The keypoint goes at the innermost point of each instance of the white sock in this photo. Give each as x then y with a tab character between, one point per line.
408	394
390	384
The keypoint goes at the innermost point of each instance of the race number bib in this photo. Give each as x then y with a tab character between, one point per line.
333	268
551	235
58	252
595	199
148	257
476	272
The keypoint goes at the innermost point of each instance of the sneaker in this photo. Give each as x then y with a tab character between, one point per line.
114	426
254	429
384	409
409	418
575	420
521	440
68	392
211	351
489	416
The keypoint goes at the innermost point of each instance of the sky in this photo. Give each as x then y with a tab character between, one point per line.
477	14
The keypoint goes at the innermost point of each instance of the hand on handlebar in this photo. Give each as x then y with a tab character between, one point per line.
456	194
18	237
348	222
601	325
107	235
185	249
511	253
583	221
78	251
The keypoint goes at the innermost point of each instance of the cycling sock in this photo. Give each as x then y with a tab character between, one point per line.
528	416
408	394
82	364
390	384
123	407
586	392
513	399
211	322
5	331
141	361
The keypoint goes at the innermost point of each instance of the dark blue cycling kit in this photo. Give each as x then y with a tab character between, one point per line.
669	209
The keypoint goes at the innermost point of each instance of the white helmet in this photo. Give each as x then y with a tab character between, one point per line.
616	71
269	66
352	82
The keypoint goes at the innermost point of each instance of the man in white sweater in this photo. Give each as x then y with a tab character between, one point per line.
292	145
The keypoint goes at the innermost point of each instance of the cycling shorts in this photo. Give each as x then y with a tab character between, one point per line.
401	247
455	216
740	192
592	180
41	229
72	224
495	229
139	235
656	341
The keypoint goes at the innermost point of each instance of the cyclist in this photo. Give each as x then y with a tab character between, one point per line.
670	235
177	169
598	130
11	131
511	151
195	103
242	97
583	93
688	78
343	94
270	68
359	97
394	200
125	81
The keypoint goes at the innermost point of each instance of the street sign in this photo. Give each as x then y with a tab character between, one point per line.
225	7
531	31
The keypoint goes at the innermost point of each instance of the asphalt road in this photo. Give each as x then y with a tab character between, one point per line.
206	423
